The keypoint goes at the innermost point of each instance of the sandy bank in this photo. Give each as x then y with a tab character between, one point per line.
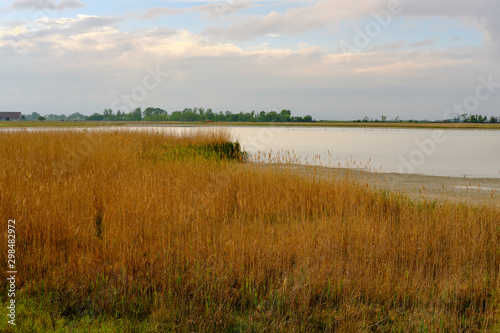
477	191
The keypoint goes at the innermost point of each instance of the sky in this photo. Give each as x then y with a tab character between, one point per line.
332	59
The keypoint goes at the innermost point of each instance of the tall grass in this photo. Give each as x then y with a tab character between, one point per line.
120	225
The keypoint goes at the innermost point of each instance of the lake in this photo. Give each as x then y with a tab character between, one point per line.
456	153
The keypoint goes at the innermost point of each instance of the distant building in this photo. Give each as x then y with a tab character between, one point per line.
10	116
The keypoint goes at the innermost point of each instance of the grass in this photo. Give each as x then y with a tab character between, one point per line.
149	232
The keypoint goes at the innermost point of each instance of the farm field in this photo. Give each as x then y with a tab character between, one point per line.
136	231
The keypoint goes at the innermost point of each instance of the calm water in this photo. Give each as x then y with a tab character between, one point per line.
457	153
469	153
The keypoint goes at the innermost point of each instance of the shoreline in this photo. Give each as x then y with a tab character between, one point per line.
404	125
476	191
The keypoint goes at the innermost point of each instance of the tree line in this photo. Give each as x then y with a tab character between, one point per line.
200	114
477	118
197	114
464	118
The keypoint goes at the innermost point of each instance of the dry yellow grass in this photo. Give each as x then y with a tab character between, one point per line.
112	225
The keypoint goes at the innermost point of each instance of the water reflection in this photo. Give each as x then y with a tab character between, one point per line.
469	153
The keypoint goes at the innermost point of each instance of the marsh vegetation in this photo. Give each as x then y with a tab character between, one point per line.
144	231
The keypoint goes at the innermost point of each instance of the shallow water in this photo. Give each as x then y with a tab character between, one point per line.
457	153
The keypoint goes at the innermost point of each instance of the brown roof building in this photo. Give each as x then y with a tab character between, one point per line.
6	116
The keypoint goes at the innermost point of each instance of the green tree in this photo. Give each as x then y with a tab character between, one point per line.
95	117
209	114
120	115
262	116
135	115
108	114
285	115
76	116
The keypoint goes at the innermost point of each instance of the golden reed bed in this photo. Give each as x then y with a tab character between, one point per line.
140	231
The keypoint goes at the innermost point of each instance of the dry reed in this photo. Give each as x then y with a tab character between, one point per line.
111	226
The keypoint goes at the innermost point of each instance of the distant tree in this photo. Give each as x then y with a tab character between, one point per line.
262	116
176	116
195	114
76	116
366	119
108	114
40	118
148	112
95	117
493	120
252	116
51	116
273	116
384	118
135	115
156	114
209	115
285	115
120	115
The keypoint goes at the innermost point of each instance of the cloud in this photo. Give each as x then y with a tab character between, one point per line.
217	10
427	42
294	21
83	64
21	35
480	14
392	46
46	5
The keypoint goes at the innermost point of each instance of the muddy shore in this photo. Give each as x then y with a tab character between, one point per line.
476	191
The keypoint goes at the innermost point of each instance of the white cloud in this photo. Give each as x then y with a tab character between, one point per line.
84	63
45	5
213	10
294	21
480	14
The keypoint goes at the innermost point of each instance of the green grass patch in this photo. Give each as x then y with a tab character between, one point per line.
208	151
